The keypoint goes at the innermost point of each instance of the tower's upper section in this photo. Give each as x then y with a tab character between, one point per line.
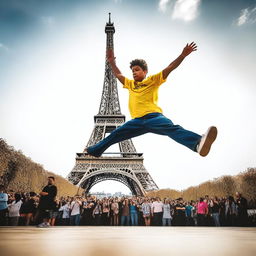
109	105
109	26
110	30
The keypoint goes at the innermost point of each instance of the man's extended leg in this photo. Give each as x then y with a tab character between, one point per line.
128	130
164	126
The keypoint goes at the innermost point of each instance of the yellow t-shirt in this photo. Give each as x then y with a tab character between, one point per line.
143	96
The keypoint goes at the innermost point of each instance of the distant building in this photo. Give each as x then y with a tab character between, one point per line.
120	194
101	194
105	194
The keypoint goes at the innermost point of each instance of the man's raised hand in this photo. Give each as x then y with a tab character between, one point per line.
110	55
188	49
111	60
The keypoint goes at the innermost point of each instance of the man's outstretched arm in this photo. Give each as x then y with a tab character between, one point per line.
186	51
112	62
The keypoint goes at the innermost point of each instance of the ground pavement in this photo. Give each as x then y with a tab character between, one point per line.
127	241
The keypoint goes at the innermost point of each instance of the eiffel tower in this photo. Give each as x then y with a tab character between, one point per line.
125	166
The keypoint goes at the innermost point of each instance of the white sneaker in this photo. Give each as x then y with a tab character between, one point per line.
44	225
208	138
86	152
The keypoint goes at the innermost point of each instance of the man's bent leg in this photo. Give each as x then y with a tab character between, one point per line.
164	126
128	130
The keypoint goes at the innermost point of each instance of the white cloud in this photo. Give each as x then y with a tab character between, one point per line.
186	10
47	20
247	16
163	5
243	17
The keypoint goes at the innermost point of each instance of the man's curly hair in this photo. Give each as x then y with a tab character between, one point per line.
139	62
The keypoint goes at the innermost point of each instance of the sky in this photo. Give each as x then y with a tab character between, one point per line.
52	60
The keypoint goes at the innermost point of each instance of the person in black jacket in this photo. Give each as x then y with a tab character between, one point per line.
242	210
47	202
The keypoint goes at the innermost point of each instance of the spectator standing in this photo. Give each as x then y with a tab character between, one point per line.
14	210
141	221
88	207
242	210
146	210
230	211
115	212
85	212
65	209
194	213
3	207
202	211
180	216
189	214
208	218
28	208
47	202
157	212
105	212
125	211
75	211
214	208
222	202
96	214
134	213
167	218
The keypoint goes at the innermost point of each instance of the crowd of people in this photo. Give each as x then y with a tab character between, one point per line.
46	209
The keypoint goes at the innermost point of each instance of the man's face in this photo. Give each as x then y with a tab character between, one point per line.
50	181
138	73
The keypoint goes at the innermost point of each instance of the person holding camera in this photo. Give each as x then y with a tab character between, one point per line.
75	211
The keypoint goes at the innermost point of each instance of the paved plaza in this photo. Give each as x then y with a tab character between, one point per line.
127	241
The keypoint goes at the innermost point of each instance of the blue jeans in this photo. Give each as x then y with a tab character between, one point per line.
155	123
166	222
134	218
125	220
75	220
216	218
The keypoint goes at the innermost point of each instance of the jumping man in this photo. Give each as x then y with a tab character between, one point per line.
146	114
